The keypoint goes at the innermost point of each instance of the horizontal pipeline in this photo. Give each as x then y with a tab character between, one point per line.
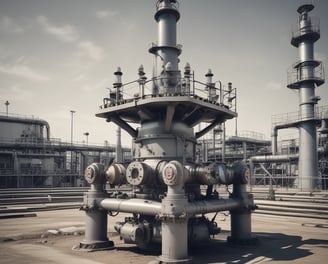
274	158
204	207
148	207
139	206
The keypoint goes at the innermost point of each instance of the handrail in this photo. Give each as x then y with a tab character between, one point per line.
320	112
184	87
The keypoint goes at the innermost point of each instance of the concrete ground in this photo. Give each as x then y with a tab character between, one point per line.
49	237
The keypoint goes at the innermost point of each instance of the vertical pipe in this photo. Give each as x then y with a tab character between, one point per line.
95	237
308	157
274	143
119	153
244	150
174	250
174	217
241	226
223	142
166	50
95	227
167	16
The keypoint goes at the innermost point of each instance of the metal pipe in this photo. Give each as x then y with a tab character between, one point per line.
149	207
306	82
274	158
274	134
137	206
204	207
119	152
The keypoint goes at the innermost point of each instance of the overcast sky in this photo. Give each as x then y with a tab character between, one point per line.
57	56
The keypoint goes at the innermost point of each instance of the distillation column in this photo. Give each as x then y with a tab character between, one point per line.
305	75
166	50
165	176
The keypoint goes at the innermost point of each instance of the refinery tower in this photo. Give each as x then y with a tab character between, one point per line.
167	204
305	75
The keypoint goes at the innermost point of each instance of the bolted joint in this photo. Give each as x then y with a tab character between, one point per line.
182	218
95	174
91	199
139	173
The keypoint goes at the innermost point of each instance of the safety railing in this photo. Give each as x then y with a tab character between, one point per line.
162	4
320	112
183	87
312	27
54	142
296	74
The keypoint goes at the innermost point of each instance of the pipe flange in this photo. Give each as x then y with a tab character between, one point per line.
173	173
95	174
137	173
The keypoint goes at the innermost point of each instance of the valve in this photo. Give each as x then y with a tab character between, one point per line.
115	174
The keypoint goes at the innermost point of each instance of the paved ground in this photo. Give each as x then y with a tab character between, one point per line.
281	239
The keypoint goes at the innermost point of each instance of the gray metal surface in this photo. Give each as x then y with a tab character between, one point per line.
166	201
305	82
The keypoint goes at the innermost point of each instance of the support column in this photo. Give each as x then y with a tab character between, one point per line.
96	218
241	224
174	217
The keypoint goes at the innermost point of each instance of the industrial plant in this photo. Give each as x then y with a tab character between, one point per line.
29	157
169	180
174	169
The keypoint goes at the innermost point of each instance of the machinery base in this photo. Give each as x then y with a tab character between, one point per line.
96	246
166	261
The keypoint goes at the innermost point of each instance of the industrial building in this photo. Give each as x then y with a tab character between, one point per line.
280	170
29	157
298	162
167	205
180	152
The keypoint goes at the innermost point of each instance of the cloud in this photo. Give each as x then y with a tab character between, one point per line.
68	33
23	71
8	24
273	86
65	33
130	26
78	78
91	50
103	14
17	93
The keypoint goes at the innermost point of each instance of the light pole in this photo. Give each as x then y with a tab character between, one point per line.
72	113
87	135
7	104
236	118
